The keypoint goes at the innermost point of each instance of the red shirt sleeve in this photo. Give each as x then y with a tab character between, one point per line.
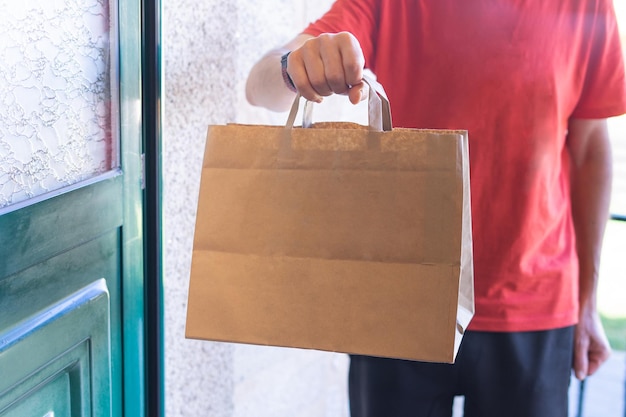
604	90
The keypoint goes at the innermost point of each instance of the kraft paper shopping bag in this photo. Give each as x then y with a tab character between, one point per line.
335	237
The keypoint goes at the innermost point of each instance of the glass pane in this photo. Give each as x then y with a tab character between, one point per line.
55	95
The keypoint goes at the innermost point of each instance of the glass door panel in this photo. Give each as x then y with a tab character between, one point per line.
56	75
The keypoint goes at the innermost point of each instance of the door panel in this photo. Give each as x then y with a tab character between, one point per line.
55	250
44	229
56	360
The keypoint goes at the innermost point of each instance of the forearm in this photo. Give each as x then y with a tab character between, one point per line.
265	86
591	176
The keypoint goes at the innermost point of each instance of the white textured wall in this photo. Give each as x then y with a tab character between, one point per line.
208	49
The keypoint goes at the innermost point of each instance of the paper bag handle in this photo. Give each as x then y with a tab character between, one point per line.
379	111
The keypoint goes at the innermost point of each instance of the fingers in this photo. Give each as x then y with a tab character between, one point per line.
581	364
591	348
588	359
327	64
596	357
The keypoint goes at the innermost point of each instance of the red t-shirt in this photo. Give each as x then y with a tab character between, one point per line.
511	72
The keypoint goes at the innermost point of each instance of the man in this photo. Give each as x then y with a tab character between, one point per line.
533	82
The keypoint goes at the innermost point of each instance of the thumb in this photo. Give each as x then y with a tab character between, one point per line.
357	93
581	360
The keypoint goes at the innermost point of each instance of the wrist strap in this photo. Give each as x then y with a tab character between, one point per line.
288	81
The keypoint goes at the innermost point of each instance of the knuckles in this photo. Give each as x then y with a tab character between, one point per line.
332	63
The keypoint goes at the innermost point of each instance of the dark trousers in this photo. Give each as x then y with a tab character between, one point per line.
523	374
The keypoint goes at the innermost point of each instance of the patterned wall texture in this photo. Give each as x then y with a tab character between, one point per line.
55	96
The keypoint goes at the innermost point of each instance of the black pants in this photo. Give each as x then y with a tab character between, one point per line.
523	374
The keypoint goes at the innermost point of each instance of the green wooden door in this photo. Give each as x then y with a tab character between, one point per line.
72	326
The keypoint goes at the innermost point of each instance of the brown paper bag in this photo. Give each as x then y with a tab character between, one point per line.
334	238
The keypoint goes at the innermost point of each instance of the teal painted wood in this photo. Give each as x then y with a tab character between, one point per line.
40	231
25	297
132	244
47	400
24	294
58	361
66	243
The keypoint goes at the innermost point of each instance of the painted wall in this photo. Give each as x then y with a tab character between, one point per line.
208	48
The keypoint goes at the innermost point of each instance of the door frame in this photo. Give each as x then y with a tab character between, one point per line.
152	137
140	40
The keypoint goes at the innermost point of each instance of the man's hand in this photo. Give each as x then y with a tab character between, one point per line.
319	66
591	347
327	64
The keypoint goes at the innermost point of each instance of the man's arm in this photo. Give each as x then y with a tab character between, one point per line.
319	66
591	174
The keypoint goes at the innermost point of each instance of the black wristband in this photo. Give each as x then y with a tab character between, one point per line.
283	65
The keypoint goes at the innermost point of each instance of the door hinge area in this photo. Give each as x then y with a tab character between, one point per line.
143	171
